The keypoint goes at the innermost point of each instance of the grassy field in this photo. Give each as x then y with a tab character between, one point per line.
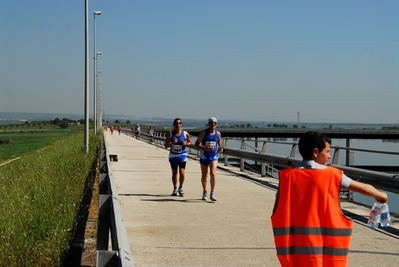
21	139
41	195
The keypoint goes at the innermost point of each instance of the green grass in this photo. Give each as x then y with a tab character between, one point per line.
40	199
27	138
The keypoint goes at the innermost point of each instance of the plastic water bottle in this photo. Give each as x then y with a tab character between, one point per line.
385	216
375	215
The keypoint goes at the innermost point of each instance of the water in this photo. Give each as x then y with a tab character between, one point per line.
365	158
393	201
360	158
385	216
375	216
379	214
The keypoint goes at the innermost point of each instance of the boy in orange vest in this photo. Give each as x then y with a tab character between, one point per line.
308	225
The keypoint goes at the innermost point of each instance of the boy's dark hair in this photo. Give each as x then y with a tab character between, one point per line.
311	140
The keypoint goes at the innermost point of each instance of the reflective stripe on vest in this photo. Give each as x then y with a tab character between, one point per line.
313	251
311	231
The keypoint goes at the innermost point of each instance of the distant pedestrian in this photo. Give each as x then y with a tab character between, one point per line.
150	133
119	129
112	129
177	140
209	142
308	224
137	132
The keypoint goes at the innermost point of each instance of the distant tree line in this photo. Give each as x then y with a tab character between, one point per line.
248	125
390	127
64	123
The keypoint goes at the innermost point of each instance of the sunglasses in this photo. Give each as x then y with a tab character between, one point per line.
179	122
212	122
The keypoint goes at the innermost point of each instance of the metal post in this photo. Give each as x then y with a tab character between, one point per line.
350	154
10	139
86	105
97	93
99	99
95	71
101	110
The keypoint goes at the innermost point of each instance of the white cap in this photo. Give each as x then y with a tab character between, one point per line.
212	119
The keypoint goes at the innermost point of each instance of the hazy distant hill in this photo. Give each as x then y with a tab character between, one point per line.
22	117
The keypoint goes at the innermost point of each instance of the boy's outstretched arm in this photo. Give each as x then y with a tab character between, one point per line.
368	190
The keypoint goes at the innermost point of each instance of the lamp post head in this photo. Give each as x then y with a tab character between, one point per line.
98	13
98	53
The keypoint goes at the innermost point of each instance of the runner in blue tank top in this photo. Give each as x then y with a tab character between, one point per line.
177	140
209	142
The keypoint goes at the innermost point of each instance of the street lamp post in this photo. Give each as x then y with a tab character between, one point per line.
98	99
100	110
96	13
10	140
86	91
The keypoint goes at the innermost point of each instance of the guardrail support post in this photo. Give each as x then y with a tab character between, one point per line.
293	150
104	222
242	161
350	154
226	158
106	259
263	165
335	156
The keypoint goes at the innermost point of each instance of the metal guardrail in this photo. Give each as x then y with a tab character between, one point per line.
271	163
337	149
381	180
297	132
111	226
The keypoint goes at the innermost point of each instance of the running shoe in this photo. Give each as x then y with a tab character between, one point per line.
174	193
181	192
204	195
213	197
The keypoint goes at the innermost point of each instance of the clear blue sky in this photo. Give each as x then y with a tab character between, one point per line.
332	61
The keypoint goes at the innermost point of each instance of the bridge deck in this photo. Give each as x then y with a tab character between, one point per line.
234	231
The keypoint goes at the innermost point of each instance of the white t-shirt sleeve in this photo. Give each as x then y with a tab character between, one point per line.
345	182
311	164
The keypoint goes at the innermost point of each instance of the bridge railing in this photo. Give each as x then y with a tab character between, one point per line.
337	150
111	226
271	163
247	151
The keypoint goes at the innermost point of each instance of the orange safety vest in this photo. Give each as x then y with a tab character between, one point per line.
308	224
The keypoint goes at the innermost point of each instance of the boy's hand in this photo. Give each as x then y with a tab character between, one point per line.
382	198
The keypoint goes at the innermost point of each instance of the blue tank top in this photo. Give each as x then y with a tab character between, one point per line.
177	148
212	141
